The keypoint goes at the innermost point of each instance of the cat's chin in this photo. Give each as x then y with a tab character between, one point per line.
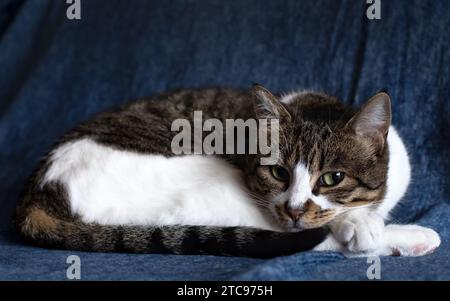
297	227
291	227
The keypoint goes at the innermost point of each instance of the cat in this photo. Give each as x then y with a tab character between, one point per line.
113	183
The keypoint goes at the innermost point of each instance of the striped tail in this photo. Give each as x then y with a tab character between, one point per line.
42	229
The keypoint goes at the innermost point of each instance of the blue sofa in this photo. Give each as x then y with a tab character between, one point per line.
56	72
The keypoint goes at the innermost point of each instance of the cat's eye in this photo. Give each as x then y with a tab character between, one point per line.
331	178
280	173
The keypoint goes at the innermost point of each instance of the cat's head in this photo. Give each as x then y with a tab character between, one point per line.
332	158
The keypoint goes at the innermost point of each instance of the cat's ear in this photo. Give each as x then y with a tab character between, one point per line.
267	105
373	119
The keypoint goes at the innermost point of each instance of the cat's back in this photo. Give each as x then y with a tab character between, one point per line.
213	102
119	167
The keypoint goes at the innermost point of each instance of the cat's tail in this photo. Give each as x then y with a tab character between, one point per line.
46	230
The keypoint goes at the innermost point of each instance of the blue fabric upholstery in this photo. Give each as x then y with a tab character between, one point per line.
55	73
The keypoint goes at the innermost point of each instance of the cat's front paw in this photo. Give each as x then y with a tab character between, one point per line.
411	240
359	232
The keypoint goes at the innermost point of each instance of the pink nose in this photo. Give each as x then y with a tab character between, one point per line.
294	213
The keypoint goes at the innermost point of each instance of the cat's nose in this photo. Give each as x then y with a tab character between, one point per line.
294	212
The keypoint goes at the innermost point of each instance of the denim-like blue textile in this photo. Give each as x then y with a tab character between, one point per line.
55	73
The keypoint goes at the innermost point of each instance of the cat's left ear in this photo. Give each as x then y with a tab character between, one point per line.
373	119
267	105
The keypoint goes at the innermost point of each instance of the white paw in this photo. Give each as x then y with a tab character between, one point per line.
411	240
359	232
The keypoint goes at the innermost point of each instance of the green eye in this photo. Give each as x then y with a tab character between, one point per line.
280	173
331	178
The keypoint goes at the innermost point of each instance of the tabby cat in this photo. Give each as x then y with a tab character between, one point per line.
113	184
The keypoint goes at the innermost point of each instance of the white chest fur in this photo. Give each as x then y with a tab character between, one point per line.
111	186
399	173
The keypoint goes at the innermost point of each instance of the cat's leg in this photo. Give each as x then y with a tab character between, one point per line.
408	240
397	240
357	231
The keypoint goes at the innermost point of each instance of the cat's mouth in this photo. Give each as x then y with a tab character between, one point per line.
309	217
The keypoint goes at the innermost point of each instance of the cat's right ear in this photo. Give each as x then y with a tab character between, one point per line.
267	105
